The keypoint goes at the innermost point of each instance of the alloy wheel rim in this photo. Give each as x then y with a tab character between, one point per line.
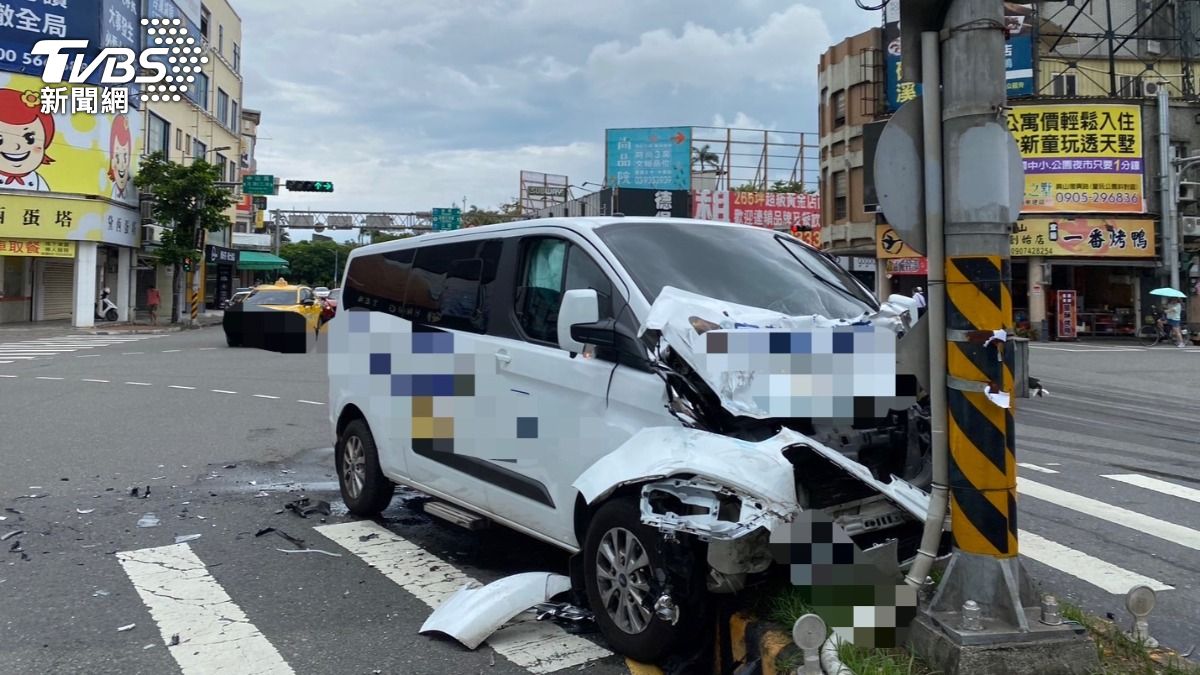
354	467
623	575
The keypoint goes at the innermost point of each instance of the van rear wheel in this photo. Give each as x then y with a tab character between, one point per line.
366	491
622	561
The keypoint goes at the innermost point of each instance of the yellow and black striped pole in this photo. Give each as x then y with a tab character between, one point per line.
983	474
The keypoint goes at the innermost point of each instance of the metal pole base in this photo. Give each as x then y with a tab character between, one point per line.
1005	633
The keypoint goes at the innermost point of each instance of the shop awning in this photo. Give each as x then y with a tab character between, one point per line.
257	260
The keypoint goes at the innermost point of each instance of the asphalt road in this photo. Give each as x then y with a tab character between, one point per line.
225	438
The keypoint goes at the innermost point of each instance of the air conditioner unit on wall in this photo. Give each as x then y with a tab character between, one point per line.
151	234
1150	88
1189	226
1187	193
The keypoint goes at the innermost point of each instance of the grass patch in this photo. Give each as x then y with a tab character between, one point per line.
788	605
882	661
1120	654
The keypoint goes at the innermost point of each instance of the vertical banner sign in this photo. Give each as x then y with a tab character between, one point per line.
650	159
898	93
1080	158
1066	315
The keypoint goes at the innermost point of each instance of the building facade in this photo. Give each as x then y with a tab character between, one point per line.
206	124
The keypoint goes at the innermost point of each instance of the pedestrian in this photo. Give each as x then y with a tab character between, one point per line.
1174	314
920	298
153	299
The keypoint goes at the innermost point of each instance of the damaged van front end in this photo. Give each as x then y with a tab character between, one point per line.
778	415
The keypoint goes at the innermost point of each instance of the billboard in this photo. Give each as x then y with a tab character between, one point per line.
29	216
1080	157
1087	237
541	190
1018	54
774	210
651	159
87	154
657	203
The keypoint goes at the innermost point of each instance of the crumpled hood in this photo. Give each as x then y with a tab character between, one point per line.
765	364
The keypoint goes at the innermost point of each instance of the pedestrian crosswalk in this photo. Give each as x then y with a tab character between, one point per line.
49	347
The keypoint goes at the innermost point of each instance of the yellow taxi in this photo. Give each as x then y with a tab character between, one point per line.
278	317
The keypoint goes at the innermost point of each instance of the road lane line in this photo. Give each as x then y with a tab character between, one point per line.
10	377
207	349
168	351
310	402
223	391
537	646
44	377
19	358
87	356
1095	571
1157	485
103	381
1035	467
140	384
1177	534
184	599
276	398
176	386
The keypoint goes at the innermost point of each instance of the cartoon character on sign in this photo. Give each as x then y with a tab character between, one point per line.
25	134
120	143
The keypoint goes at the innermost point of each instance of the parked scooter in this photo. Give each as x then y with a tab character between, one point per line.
108	308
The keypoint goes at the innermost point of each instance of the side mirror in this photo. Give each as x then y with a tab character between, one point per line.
578	306
307	302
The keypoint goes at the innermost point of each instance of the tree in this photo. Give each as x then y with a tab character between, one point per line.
312	263
378	236
705	157
778	186
476	216
188	201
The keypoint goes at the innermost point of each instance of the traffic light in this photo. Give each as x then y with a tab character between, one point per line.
309	186
187	264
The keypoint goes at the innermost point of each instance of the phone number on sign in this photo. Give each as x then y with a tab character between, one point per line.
21	58
1097	198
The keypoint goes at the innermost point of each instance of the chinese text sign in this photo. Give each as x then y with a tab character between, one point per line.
1092	237
652	159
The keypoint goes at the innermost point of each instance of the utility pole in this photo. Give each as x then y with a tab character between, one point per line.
1169	198
985	615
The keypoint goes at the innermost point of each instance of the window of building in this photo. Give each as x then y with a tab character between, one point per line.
841	195
199	150
221	161
222	106
233	115
221	40
158	136
839	108
1130	86
201	89
233	171
1063	84
237	58
179	139
187	144
205	19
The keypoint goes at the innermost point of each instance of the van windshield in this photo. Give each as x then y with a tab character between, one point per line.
745	265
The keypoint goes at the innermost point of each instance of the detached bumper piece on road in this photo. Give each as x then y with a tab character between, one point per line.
272	330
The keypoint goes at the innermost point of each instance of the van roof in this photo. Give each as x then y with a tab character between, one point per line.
581	224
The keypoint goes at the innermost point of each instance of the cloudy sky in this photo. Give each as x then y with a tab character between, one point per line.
411	104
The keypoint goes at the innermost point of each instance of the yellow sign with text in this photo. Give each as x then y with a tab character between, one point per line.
888	244
66	218
83	153
1083	237
37	248
1080	157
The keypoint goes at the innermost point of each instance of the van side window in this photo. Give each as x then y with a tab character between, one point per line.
377	282
449	283
583	272
540	293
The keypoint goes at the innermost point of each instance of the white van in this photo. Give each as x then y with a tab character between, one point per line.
657	395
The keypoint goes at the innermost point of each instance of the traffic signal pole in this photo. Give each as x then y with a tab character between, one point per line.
985	616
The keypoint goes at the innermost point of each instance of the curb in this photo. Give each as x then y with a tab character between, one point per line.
765	642
149	331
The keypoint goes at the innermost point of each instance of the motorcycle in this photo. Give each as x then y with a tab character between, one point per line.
108	308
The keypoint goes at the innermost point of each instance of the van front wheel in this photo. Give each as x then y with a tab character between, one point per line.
622	561
366	491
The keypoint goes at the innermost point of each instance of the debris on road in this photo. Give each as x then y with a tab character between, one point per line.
134	492
123	629
174	641
262	493
10	535
184	538
12	510
573	619
472	614
147	647
148	520
100	594
16	547
229	466
310	550
299	543
369	537
156	478
304	507
33	496
84	512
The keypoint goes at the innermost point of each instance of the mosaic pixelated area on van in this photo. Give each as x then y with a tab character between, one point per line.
826	372
420	379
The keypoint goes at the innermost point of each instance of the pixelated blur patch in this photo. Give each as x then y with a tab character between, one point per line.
381	364
860	594
527	427
360	321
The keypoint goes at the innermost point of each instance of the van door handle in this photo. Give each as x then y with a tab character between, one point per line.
503	357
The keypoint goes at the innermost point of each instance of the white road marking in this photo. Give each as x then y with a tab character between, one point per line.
185	600
1080	565
176	386
5	361
265	396
1062	349
223	391
103	381
44	377
537	646
19	358
1183	492
140	384
1035	467
207	349
168	351
1177	534
87	356
11	377
1053	463
310	402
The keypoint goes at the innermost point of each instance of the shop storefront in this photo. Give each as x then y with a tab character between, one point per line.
220	265
901	268
258	267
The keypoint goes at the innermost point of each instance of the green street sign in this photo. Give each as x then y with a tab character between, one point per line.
259	184
446	219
